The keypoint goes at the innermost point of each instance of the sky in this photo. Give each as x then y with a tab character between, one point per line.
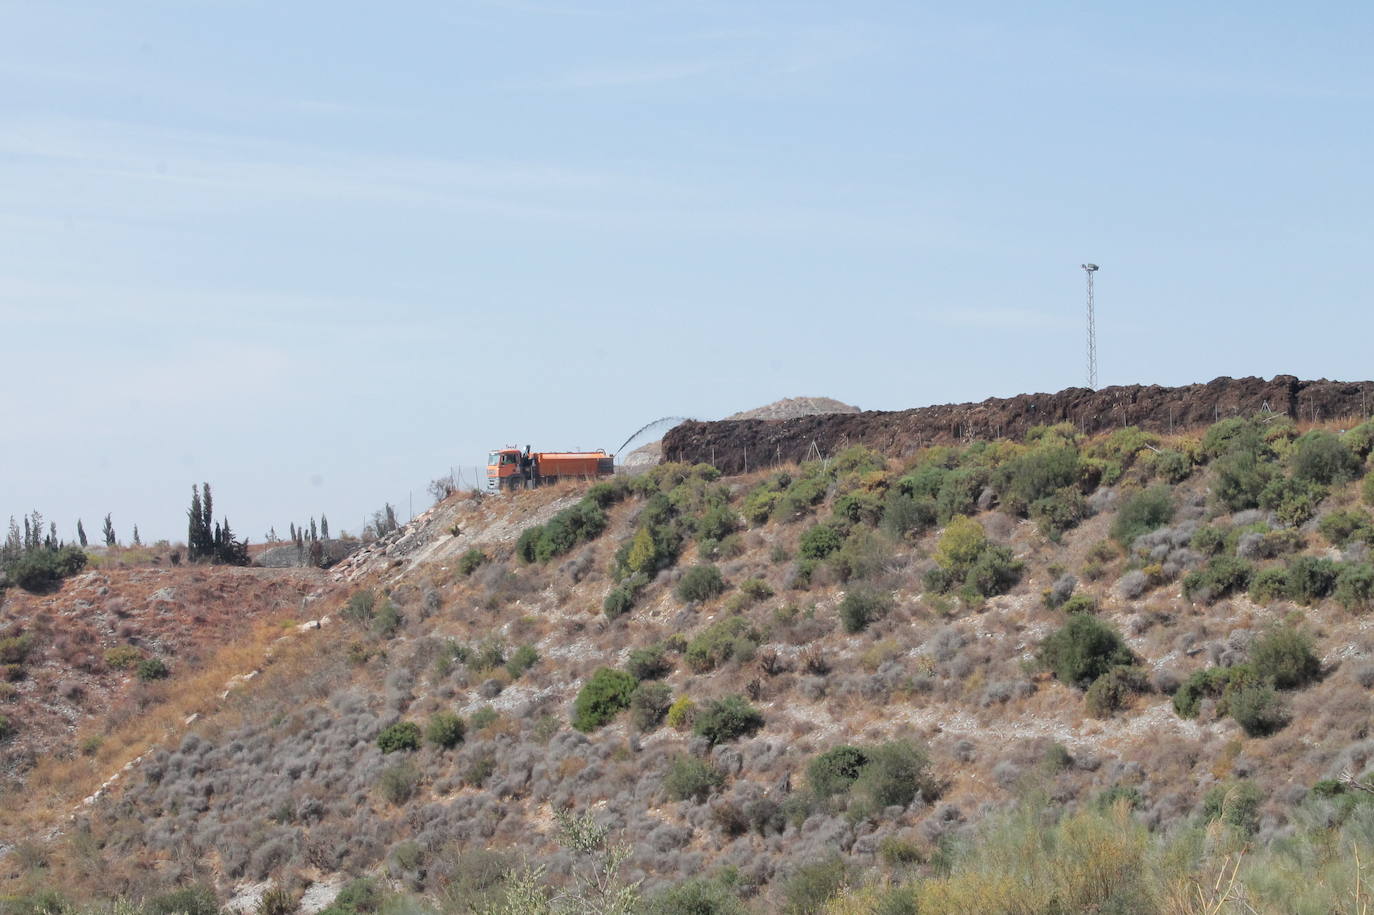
319	254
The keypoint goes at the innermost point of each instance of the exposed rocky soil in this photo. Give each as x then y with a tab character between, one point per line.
738	445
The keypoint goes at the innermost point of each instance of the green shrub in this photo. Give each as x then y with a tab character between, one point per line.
388	619
897	852
620	600
960	545
925	480
1057	513
726	719
479	770
403	735
649	663
445	729
861	607
484	718
804	493
360	896
1284	656
1240	478
1360	440
1355	586
189	900
717	894
724	639
756	589
835	771
682	713
1321	457
994	572
1209	540
904	515
820	541
1144	511
1367	489
41	569
470	561
1258	709
1310	578
959	491
691	779
762	500
6	729
1222	576
1269	584
809	888
1082	650
153	669
15	649
607	492
717	524
859	507
1037	474
864	554
601	698
1237	805
359	607
1207	683
120	657
894	774
580	523
700	583
1343	525
1111	691
1171	466
1293	500
398	783
649	705
1233	435
1080	603
521	660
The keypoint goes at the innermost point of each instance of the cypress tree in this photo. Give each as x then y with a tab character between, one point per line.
80	532
324	527
109	532
195	537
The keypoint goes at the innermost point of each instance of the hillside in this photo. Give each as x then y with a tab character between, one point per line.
841	673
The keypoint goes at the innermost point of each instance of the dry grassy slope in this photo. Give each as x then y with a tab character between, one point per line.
286	778
179	615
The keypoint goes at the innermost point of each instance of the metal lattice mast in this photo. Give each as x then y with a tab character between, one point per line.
1090	269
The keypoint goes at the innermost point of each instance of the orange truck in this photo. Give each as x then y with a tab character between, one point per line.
510	468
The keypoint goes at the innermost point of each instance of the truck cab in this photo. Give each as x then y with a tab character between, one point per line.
504	470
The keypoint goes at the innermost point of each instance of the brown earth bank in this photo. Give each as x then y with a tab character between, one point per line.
737	446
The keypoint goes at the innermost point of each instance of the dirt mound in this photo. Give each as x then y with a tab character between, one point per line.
740	444
792	407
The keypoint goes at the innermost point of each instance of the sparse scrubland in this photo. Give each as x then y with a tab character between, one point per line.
1127	673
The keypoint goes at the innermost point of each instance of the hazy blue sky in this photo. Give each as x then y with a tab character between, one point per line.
318	253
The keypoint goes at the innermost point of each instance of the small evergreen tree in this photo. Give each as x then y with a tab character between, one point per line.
80	533
314	531
324	527
109	532
137	542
